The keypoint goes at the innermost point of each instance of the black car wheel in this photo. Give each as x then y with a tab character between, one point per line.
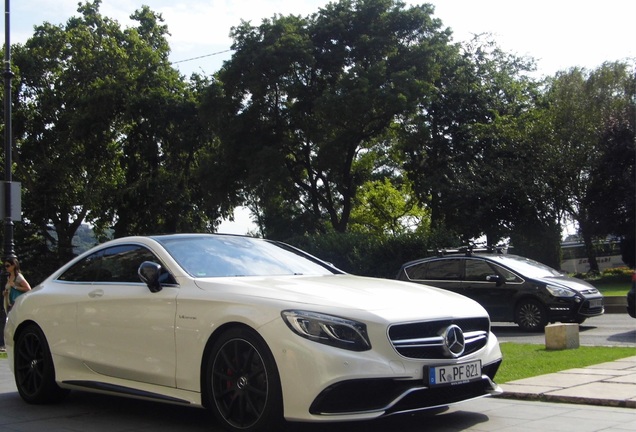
531	315
243	383
34	369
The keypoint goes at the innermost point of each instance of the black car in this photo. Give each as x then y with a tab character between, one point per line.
631	301
511	288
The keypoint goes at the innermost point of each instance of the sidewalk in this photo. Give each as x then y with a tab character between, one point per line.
606	384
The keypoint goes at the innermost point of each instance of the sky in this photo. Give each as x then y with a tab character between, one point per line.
558	34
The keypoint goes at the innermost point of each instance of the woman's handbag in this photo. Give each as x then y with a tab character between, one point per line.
14	293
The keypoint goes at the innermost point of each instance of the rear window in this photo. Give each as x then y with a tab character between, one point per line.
444	269
527	267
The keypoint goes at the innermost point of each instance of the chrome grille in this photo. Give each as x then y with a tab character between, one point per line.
425	340
589	291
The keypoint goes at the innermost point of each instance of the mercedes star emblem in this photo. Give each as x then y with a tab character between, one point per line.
454	342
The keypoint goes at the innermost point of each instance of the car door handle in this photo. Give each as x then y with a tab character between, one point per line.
96	293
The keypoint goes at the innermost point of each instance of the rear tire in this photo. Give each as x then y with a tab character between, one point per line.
531	315
34	369
243	384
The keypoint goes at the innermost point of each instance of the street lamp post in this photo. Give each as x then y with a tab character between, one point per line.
8	162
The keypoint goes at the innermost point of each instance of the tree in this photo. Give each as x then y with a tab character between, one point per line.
108	132
163	142
69	99
465	150
308	97
591	116
383	209
612	189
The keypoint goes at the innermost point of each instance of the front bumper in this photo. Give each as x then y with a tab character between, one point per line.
342	385
571	311
389	396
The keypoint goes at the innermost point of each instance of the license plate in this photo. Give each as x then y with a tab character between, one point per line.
596	303
454	374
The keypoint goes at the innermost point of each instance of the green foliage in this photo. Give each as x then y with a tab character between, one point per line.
621	275
363	254
70	89
309	98
384	209
525	360
467	153
107	132
540	242
361	117
591	119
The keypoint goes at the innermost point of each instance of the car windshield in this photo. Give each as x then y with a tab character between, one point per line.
221	256
527	267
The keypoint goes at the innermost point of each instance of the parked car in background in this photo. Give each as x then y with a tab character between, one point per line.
631	298
511	288
255	330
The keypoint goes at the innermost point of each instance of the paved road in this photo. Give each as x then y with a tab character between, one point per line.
97	413
607	330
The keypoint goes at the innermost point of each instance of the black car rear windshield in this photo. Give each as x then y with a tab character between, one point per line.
526	267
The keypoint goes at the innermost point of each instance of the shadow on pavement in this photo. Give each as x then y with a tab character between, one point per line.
621	337
426	421
103	413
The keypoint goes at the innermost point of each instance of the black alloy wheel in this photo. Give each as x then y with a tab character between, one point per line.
34	369
243	383
531	315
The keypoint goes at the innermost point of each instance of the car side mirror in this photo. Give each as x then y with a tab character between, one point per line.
149	274
495	278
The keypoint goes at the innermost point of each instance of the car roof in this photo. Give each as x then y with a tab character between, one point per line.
486	253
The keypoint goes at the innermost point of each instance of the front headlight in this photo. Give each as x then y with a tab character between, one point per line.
328	329
559	291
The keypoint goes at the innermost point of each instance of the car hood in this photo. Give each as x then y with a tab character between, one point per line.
391	299
573	283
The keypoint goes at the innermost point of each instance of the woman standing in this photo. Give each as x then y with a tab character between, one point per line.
16	283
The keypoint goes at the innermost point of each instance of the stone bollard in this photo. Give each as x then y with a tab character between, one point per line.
561	336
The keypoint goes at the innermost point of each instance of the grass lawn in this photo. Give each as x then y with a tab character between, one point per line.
613	282
529	360
613	289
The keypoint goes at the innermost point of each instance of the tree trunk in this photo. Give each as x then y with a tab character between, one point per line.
589	247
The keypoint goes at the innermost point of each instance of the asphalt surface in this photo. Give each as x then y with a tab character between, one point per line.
610	329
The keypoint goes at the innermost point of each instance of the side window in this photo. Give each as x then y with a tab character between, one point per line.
115	264
478	270
444	269
417	271
508	275
84	271
122	262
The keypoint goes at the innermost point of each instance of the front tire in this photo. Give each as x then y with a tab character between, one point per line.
34	369
531	315
243	385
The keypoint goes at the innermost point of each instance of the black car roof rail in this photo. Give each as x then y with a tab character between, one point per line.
470	250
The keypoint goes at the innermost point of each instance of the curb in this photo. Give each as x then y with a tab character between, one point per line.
615	304
542	397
